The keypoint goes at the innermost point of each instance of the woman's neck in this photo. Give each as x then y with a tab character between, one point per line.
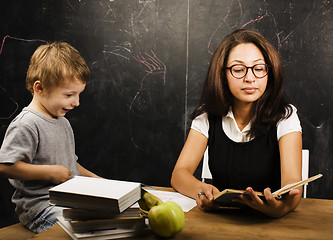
242	114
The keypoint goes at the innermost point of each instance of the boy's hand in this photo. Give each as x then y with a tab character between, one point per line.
59	174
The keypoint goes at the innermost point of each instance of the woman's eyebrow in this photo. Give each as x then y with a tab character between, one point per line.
233	62
240	61
259	59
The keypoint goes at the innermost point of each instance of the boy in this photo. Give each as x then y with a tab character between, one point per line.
38	150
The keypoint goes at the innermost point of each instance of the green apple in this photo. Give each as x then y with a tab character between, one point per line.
166	219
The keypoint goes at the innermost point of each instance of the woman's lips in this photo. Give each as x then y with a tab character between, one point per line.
249	90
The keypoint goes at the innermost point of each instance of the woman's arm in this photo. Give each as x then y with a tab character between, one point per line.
291	171
182	178
291	165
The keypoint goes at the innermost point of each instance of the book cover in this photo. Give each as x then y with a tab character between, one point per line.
80	226
96	194
87	214
224	198
101	234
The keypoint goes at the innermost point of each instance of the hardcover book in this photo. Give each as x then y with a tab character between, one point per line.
112	233
87	214
96	194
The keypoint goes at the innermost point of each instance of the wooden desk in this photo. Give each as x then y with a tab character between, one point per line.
313	219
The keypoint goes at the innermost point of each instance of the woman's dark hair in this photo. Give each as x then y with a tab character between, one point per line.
216	97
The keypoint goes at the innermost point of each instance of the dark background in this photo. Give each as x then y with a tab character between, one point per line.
148	61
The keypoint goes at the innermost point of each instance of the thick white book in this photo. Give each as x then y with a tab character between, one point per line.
96	194
87	214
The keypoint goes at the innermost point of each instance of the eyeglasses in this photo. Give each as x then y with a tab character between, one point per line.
240	70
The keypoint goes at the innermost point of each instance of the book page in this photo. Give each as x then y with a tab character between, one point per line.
291	186
183	201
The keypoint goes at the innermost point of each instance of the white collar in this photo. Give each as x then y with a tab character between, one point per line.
230	115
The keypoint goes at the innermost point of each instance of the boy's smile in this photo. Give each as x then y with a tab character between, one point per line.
57	101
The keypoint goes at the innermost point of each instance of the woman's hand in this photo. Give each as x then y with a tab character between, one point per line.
205	198
271	207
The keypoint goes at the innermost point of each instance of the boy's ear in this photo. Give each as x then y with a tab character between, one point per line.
38	88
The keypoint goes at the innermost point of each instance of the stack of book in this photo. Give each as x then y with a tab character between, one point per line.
96	208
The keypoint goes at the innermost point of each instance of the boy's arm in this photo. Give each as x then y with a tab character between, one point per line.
85	172
26	171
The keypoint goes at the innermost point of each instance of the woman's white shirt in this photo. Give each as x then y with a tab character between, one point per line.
230	127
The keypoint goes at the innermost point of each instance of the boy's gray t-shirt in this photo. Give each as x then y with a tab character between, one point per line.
36	139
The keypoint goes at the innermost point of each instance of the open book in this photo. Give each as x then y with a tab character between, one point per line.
224	198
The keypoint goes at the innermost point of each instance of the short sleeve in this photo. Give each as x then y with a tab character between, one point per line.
288	125
201	124
20	143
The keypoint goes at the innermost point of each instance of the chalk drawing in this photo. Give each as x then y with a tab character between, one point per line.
153	66
258	19
218	27
2	88
119	50
153	63
20	39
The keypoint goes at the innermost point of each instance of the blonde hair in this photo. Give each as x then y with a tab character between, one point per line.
52	63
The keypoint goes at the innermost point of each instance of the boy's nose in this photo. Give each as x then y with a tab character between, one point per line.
76	103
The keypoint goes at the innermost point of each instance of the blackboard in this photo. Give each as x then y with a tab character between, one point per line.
148	60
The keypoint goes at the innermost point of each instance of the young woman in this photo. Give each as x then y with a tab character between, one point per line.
252	132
